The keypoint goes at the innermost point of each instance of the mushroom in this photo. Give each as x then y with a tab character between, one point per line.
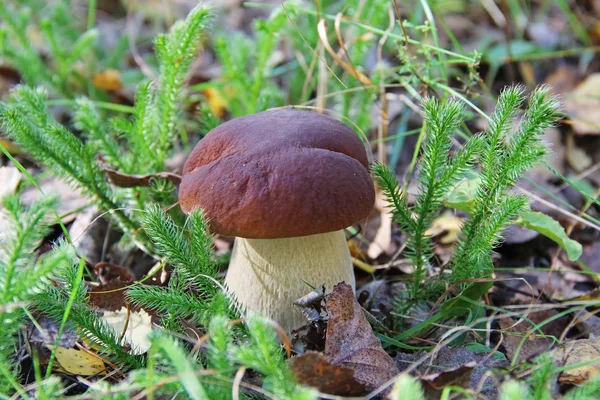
285	183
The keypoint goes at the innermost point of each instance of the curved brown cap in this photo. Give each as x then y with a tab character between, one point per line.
278	174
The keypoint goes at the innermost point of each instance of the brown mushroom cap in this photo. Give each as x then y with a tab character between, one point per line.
278	174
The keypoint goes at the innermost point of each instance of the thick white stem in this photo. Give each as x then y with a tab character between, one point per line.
267	275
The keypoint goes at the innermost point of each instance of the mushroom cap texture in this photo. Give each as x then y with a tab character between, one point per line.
278	174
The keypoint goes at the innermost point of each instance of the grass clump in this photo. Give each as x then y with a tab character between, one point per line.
502	154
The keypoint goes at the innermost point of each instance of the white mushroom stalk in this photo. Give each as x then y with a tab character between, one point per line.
267	275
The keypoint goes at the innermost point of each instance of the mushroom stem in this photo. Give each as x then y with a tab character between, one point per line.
267	275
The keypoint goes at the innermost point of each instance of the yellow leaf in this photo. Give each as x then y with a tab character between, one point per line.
216	102
575	352
78	362
109	80
449	224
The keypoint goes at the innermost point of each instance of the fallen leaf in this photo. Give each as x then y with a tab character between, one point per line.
10	178
313	369
350	341
536	342
353	361
382	242
128	181
563	80
575	352
459	376
448	225
46	329
10	147
583	104
106	272
70	200
109	80
78	362
216	102
454	365
139	327
576	156
110	296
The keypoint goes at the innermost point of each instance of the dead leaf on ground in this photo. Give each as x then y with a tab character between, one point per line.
460	366
134	326
382	243
106	272
591	255
46	329
350	345
69	201
448	226
536	343
128	181
583	104
575	352
577	157
313	369
216	102
110	296
78	362
563	79
109	80
10	178
459	376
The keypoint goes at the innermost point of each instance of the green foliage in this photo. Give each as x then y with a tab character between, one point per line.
190	255
589	390
407	388
509	153
28	121
438	173
245	66
462	198
22	275
53	302
504	155
514	390
175	52
193	291
68	57
145	140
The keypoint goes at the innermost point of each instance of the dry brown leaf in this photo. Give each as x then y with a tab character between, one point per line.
109	80
127	181
313	369
353	361
583	104
579	351
78	362
350	341
106	272
535	343
459	376
110	296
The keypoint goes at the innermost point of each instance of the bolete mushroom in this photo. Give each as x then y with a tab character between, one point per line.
285	183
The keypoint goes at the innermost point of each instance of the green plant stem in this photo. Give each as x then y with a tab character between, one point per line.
91	17
63	323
